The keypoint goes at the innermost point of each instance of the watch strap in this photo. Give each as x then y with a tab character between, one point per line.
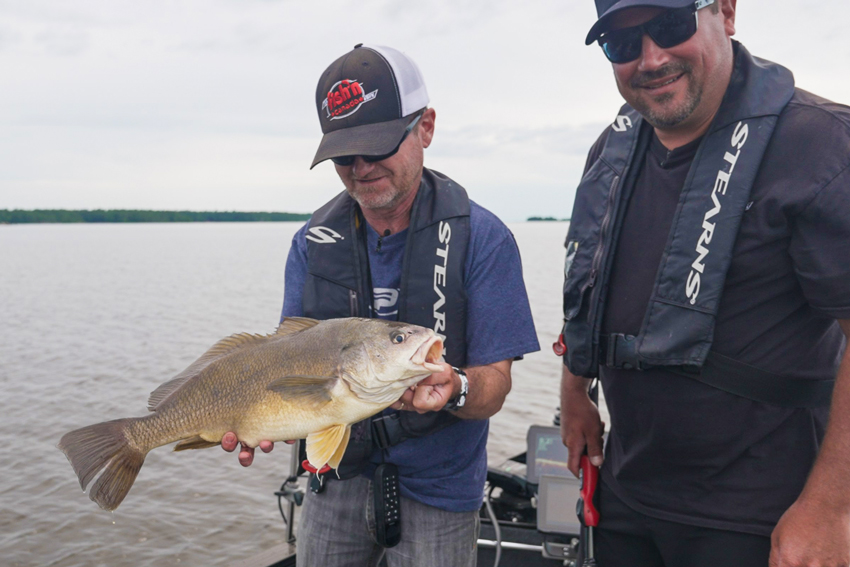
460	400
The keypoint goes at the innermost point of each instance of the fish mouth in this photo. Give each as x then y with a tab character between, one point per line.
429	354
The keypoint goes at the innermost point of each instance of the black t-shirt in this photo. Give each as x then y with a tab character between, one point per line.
683	451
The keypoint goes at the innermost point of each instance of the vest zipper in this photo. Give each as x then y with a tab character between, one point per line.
352	302
603	230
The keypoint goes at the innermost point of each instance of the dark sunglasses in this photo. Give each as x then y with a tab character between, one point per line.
667	29
349	160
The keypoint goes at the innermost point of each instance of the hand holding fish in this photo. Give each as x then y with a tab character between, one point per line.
432	393
246	454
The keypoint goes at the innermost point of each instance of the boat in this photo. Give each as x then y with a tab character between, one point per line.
528	516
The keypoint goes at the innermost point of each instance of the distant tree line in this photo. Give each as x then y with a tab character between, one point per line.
545	219
18	216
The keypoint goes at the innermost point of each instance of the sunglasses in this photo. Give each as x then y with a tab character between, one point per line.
669	28
349	160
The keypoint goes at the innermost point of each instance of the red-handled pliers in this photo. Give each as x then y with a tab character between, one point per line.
588	515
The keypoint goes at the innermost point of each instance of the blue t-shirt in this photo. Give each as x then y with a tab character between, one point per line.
446	469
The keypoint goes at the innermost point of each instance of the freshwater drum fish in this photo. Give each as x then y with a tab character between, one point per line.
310	379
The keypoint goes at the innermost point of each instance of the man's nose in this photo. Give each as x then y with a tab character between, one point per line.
361	167
651	56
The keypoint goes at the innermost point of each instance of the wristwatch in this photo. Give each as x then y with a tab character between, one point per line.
456	403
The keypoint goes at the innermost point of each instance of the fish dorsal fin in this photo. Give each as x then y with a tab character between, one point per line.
322	446
294	324
311	390
222	348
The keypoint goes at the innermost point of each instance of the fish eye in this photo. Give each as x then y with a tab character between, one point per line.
397	338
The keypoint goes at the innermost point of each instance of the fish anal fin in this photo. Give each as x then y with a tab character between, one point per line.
196	442
322	446
336	459
294	324
311	390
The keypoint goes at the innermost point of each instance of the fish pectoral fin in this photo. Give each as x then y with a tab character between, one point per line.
196	442
323	446
312	390
336	459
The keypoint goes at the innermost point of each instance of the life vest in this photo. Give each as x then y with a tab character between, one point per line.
432	292
678	328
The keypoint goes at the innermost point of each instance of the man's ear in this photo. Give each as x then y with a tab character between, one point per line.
727	9
425	128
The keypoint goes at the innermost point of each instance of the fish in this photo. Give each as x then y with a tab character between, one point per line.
308	380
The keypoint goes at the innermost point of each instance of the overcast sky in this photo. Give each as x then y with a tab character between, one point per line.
209	104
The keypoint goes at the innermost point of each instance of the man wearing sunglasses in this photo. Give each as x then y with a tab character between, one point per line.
707	286
404	242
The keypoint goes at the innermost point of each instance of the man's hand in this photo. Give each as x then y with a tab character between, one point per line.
246	454
580	423
815	530
432	393
811	534
489	384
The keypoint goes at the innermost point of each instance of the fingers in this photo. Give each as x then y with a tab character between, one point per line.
575	451
594	450
429	398
405	402
581	437
229	441
246	456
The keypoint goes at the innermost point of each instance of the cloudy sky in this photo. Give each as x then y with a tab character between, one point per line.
208	104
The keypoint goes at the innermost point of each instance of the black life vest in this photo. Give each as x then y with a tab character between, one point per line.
678	327
432	292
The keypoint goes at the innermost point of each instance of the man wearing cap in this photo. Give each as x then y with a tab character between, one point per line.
403	242
707	285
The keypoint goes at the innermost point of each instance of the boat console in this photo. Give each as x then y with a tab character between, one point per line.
529	515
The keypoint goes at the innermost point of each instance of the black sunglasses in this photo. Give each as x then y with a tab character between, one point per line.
667	29
349	160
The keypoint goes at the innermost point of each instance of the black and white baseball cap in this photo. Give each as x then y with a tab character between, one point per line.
365	100
605	8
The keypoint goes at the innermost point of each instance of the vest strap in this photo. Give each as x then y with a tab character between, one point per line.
727	374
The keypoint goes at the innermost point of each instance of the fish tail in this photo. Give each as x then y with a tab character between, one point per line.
105	446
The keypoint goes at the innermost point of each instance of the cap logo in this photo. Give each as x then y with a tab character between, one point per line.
345	98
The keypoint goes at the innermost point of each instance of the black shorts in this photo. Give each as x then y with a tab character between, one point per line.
626	538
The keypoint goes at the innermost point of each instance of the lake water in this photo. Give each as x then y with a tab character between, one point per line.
95	317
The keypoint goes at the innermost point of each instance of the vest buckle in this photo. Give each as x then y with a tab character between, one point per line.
620	352
386	430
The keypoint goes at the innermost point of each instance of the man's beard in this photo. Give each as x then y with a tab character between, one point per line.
672	117
373	199
384	199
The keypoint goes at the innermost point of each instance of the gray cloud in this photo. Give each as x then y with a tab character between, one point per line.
210	103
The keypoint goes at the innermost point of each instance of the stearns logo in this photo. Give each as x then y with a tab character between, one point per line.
345	98
622	123
323	235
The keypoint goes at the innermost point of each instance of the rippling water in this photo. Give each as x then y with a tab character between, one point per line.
94	317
